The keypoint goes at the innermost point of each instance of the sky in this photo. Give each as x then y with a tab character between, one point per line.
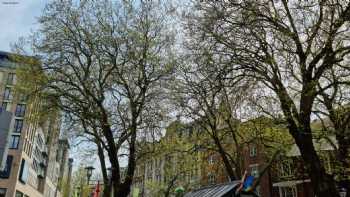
18	19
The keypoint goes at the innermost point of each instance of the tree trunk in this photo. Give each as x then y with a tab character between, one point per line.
121	190
106	181
322	183
224	158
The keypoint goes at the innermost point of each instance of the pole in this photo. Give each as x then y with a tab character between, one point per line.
81	186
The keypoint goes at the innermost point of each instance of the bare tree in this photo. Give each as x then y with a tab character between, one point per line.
288	46
332	108
105	63
205	95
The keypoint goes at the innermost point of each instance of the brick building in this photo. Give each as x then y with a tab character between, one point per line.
284	177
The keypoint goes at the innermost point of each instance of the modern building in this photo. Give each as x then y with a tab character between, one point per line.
33	165
5	121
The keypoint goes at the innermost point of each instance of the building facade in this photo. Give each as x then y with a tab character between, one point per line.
33	165
283	175
163	169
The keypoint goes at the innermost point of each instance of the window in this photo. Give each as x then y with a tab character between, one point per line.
20	110
19	194
254	170
286	169
211	178
2	192
158	176
6	106
40	141
14	141
23	173
35	166
18	126
7	170
288	191
23	98
211	159
7	94
11	78
257	190
253	151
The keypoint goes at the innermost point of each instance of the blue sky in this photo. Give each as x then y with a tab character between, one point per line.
18	18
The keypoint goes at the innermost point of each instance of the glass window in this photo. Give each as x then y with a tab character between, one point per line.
7	94
20	110
211	159
19	194
11	78
7	170
211	178
286	169
253	151
18	126
2	192
258	190
14	141
23	173
35	165
4	105
254	170
289	192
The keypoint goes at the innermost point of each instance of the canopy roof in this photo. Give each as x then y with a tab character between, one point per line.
215	190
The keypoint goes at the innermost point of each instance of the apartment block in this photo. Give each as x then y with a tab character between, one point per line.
32	159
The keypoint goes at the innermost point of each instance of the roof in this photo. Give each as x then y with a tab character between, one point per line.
5	59
215	190
323	144
8	62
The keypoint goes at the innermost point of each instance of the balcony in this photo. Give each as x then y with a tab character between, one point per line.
41	174
44	153
43	164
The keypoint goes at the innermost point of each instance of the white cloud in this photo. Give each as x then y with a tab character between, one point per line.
17	19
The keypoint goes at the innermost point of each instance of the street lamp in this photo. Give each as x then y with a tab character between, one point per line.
89	170
109	172
110	184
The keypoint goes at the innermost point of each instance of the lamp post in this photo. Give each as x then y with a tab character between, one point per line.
110	184
89	170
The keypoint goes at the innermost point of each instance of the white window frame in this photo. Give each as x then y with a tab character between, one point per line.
254	170
286	169
283	191
253	151
211	178
211	159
